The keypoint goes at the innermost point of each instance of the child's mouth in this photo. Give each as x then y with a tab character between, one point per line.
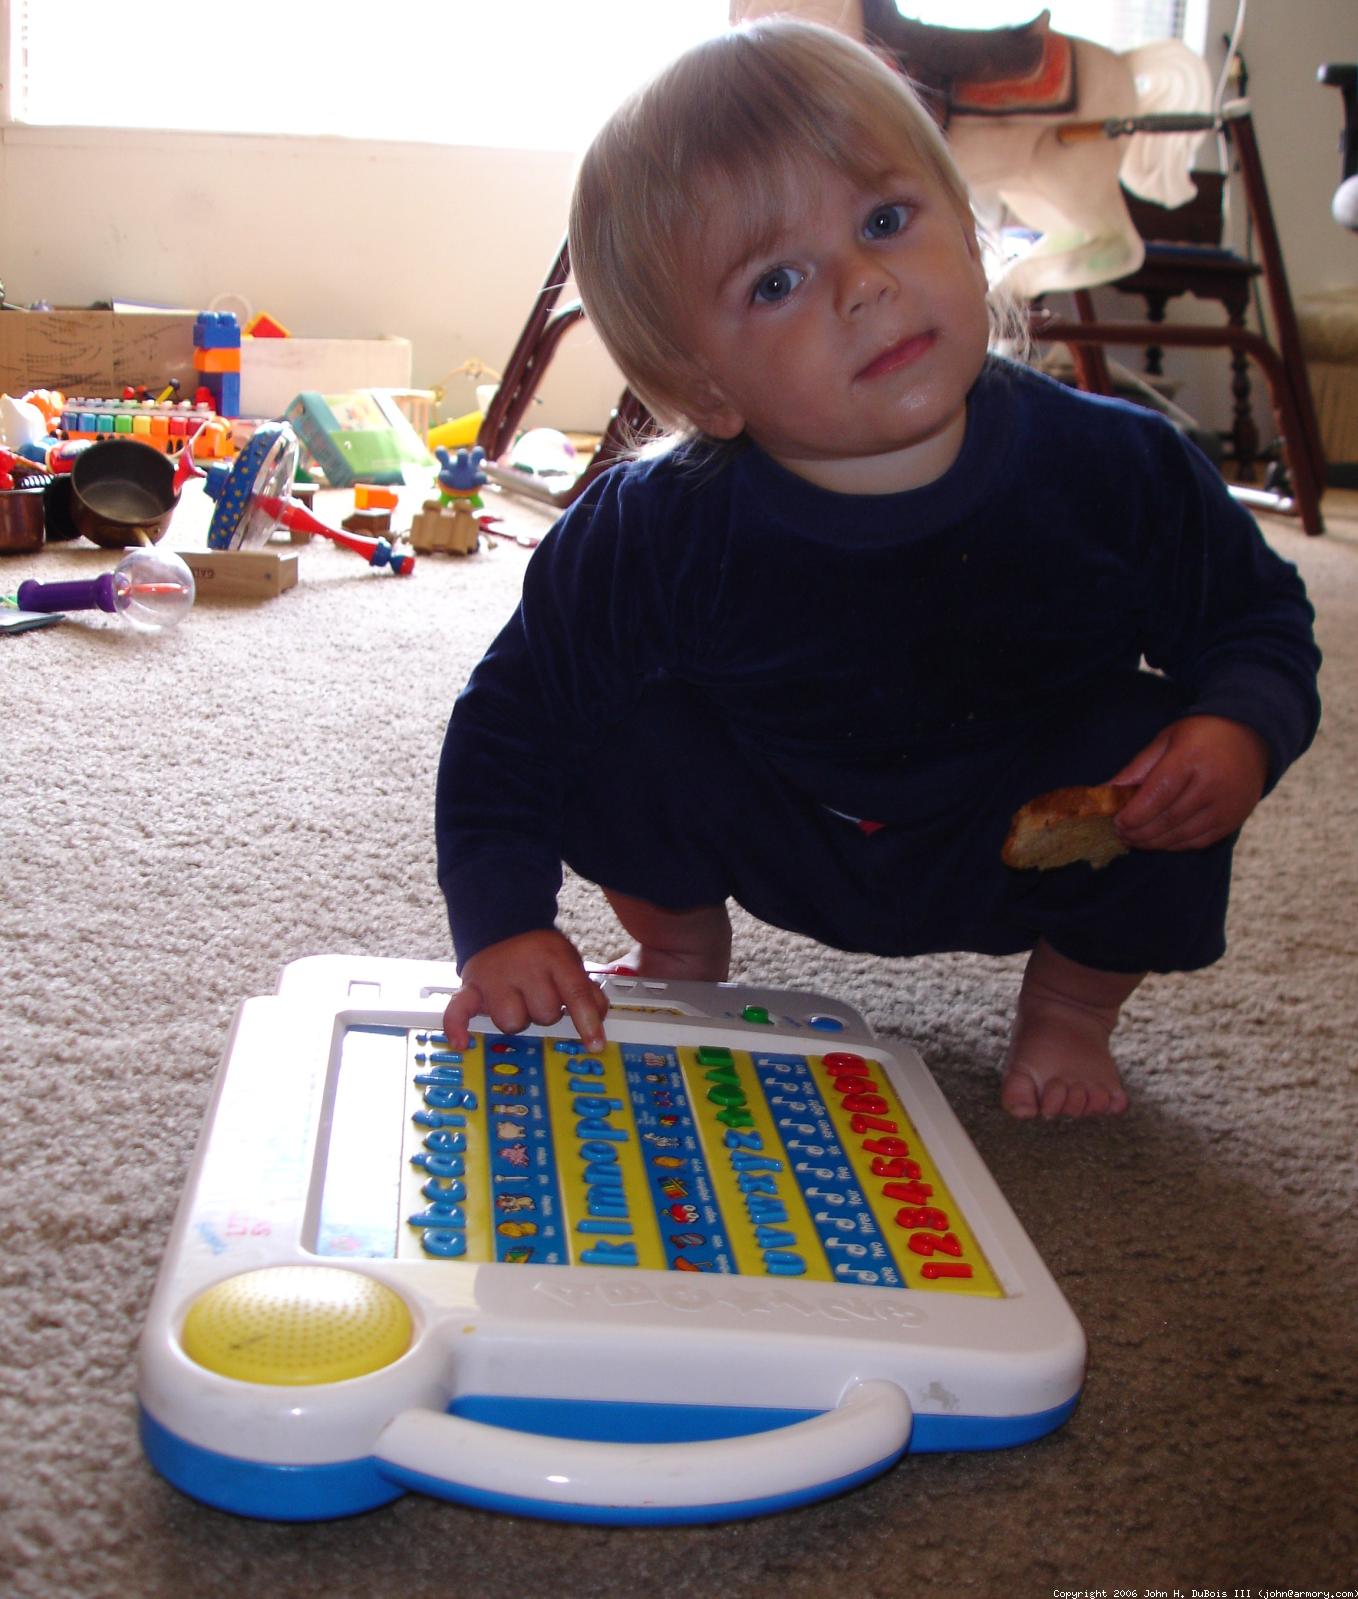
899	355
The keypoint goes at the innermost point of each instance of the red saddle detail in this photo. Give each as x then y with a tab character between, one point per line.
1048	90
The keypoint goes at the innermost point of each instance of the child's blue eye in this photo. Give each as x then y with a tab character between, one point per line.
777	285
885	220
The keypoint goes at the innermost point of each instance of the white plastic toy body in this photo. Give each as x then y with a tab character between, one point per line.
739	1260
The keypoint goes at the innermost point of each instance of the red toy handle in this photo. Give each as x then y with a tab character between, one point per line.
297	519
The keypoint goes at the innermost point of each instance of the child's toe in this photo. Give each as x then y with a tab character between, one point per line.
1019	1095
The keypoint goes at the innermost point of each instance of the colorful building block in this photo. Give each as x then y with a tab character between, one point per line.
368	497
216	330
225	390
263	326
217	360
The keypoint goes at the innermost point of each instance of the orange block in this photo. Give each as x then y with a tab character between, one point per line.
369	497
216	360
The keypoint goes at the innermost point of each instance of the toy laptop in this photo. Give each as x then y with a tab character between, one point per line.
740	1259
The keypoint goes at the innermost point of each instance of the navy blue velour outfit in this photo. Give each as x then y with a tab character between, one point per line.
719	672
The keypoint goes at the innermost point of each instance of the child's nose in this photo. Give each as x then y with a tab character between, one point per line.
864	281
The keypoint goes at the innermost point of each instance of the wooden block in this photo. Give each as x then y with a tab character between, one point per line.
305	495
241	574
452	530
371	523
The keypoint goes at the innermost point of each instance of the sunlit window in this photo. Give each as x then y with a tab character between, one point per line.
524	74
527	74
1121	24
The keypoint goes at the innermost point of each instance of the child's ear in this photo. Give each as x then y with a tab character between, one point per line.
708	409
722	423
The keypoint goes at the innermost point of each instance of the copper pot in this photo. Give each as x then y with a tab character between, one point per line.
21	520
123	493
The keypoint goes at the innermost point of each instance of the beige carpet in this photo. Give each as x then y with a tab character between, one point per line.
185	815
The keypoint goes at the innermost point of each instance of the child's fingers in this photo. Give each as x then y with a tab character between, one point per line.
1189	815
458	1013
1187	827
1142	764
586	1005
535	978
1196	835
1151	804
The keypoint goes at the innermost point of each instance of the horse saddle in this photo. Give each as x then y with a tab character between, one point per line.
998	72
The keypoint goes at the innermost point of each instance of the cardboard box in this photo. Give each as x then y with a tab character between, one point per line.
240	574
98	353
95	353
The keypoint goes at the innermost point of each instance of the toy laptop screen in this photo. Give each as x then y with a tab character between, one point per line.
703	1158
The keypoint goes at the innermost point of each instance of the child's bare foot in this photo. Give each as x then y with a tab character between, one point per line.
693	944
1059	1062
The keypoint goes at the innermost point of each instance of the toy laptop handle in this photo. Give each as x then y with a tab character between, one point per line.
583	1480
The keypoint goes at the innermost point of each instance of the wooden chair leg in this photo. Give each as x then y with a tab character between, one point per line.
1240	132
527	365
1284	366
1306	489
1090	362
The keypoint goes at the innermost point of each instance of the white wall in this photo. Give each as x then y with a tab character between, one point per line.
444	246
447	246
1298	123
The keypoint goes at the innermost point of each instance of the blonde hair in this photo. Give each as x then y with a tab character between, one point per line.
741	115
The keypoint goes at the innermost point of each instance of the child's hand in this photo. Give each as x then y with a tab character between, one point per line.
533	977
1199	780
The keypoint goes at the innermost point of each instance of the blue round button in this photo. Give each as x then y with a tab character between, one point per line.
826	1024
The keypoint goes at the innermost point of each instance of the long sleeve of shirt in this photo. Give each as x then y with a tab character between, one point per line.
589	632
1226	617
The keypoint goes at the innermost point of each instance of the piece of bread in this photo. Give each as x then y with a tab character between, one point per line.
1068	824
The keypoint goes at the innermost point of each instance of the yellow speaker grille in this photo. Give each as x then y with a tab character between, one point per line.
297	1324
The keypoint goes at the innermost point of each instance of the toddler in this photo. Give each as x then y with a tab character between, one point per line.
881	588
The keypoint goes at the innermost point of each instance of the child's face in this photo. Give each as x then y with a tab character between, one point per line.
845	342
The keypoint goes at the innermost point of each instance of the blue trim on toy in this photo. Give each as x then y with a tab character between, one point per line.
609	1421
263	1491
931	1435
324	1492
619	1421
